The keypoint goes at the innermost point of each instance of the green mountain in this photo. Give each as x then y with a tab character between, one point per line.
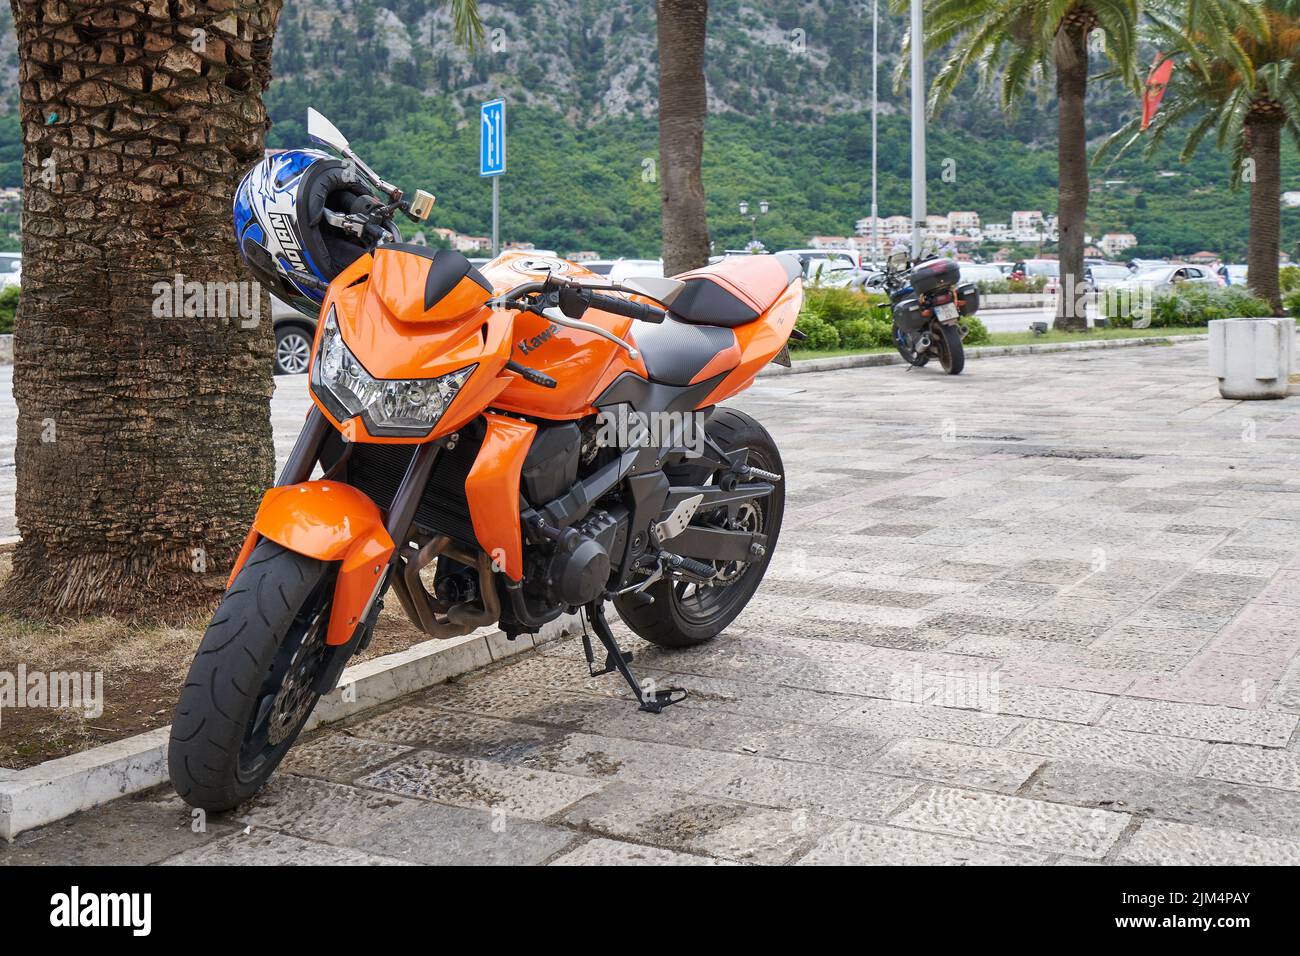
789	93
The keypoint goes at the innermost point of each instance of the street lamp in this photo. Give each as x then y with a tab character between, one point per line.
753	219
918	129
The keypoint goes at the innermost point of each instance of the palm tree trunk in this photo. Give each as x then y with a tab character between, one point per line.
682	107
144	437
1264	142
1071	62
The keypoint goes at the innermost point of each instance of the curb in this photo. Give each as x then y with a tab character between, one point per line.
61	787
874	359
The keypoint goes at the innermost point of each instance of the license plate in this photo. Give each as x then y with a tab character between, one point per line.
947	311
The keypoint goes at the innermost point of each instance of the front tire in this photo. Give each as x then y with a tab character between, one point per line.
910	355
248	693
685	615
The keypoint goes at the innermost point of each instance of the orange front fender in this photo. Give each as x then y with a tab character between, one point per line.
329	521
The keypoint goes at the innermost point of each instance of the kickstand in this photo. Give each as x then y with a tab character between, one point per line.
616	659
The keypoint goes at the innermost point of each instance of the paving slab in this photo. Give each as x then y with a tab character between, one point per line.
1014	821
1160	843
1069	635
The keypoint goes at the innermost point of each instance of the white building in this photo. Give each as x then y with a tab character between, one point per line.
1113	243
963	222
1026	220
831	242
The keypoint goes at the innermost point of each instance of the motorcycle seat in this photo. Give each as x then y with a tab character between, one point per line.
678	353
734	291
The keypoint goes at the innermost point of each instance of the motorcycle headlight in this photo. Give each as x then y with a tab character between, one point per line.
398	408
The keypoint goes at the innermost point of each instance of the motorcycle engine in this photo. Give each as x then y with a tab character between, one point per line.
579	568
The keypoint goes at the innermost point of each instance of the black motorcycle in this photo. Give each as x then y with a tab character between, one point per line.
927	305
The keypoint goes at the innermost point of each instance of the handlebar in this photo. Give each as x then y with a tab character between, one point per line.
627	308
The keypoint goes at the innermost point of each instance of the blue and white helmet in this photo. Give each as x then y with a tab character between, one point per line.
280	226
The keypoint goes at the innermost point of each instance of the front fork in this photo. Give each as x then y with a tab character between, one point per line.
298	468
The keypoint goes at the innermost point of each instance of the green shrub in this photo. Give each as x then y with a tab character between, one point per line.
838	317
8	309
865	334
977	333
1292	303
1006	286
1288	278
1188	306
821	335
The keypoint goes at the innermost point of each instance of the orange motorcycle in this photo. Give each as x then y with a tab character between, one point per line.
497	447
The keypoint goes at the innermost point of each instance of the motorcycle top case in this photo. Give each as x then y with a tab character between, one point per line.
934	274
908	317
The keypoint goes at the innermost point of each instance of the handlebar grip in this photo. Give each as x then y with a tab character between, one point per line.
628	309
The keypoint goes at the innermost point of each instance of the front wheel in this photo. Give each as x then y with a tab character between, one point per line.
684	613
951	354
248	693
902	342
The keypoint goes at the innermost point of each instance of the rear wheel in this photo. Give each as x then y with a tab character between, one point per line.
951	354
684	613
248	693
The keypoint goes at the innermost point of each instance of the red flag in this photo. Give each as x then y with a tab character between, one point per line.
1157	80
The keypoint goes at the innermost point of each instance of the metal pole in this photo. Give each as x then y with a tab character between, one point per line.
496	207
918	131
875	57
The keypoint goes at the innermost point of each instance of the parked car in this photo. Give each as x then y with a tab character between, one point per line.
626	268
1170	275
1105	275
1142	265
1232	274
823	257
294	333
1049	269
980	272
11	269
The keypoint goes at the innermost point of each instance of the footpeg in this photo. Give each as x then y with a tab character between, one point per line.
652	702
679	563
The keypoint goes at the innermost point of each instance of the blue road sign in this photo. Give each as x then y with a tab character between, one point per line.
492	138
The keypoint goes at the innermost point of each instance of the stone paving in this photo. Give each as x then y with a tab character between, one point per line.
1046	612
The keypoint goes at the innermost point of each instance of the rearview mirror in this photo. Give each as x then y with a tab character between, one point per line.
324	133
898	261
421	205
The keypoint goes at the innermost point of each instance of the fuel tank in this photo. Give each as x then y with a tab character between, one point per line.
582	363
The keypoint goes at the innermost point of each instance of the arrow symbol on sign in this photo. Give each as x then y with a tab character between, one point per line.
490	133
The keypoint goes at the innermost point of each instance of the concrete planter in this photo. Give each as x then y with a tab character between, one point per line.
1252	358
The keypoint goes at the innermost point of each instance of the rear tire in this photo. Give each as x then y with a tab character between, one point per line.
257	660
951	354
672	620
